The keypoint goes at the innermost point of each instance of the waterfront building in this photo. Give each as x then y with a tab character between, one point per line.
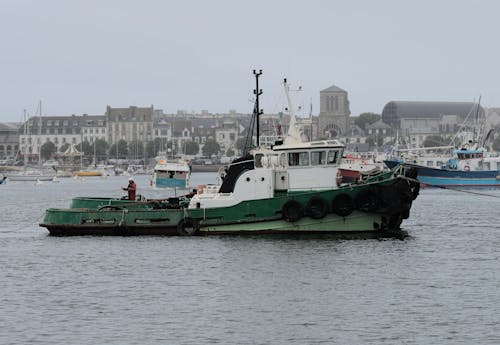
9	140
59	130
129	124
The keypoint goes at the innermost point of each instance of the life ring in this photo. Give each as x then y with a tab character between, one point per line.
367	201
338	178
467	168
342	205
187	227
316	207
292	211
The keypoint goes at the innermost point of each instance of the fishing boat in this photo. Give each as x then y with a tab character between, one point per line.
469	165
357	166
171	173
289	187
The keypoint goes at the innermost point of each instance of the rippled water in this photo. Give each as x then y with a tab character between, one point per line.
439	286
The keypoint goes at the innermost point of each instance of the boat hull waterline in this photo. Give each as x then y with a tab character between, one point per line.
454	178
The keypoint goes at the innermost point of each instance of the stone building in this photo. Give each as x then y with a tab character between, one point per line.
414	121
333	120
59	130
129	124
9	140
429	117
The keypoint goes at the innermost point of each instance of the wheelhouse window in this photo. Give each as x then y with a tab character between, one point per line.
298	158
318	157
258	160
332	157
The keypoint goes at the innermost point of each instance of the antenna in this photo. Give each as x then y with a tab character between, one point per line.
257	92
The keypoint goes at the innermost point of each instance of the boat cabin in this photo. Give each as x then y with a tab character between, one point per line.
285	168
469	154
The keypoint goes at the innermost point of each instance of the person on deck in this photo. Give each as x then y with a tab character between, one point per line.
131	188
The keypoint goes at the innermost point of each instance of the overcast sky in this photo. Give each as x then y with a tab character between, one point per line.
80	56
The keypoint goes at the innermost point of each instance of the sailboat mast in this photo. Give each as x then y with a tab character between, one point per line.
39	139
25	158
257	92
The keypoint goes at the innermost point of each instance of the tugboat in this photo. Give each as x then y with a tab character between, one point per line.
290	187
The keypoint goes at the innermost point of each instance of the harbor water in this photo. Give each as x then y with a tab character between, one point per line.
438	286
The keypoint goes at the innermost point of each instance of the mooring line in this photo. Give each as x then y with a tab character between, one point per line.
453	189
465	191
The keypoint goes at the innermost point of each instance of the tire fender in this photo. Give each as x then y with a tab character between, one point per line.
343	205
317	207
188	227
292	211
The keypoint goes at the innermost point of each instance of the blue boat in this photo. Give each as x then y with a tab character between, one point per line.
470	166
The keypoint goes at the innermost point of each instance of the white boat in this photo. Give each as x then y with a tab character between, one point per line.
32	175
171	173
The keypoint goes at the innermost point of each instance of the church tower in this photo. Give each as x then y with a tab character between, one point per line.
334	112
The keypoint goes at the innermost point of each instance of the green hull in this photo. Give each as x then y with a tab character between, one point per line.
94	203
377	207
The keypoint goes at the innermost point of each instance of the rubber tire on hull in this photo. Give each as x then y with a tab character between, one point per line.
367	201
292	211
187	227
316	207
342	205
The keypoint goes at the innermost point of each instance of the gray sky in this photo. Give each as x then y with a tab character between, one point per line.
79	56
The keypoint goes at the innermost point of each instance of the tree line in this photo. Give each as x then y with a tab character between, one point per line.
136	149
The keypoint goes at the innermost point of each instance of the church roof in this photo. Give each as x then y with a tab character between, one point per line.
378	125
333	88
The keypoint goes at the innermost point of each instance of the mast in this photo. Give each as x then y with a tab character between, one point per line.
95	157
39	139
25	158
257	92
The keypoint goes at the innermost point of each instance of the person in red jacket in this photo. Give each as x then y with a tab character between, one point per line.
131	188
